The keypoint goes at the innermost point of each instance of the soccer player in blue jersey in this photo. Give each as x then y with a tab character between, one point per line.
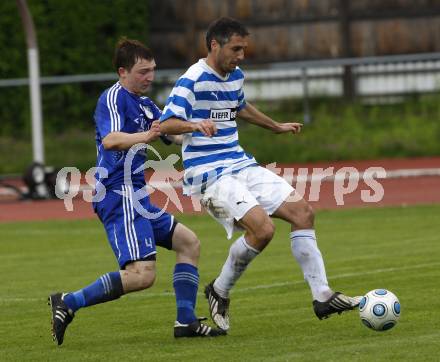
238	193
124	117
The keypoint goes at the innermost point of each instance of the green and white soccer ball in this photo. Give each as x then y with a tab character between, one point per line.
379	310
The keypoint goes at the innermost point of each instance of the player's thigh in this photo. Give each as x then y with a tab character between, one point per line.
269	189
233	205
279	198
259	225
228	197
186	245
297	212
185	240
172	235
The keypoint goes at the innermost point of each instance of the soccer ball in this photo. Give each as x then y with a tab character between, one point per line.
379	310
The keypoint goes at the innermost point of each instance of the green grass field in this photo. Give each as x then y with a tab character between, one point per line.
271	314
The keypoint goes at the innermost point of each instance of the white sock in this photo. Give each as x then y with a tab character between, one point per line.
240	255
306	252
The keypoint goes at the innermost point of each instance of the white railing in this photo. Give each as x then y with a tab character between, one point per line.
380	77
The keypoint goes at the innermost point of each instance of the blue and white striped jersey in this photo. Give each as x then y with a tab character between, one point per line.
118	110
199	94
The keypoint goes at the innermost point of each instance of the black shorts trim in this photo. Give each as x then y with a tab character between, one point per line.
168	244
151	257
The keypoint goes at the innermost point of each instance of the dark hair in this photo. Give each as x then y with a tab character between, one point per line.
222	29
127	53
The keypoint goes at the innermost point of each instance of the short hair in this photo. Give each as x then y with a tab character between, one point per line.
128	52
222	30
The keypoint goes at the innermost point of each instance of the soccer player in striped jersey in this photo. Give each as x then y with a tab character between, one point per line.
124	117
203	107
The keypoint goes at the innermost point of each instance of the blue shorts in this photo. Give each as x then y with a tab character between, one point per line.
134	226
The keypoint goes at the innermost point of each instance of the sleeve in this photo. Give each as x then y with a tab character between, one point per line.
157	113
109	113
181	101
241	100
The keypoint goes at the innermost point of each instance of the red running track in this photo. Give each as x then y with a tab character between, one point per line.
397	191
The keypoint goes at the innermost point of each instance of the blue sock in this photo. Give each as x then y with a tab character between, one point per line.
105	288
186	283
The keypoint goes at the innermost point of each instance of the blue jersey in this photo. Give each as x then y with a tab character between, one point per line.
200	94
118	110
131	234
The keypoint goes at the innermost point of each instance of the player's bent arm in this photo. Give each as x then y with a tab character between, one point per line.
252	115
119	141
176	126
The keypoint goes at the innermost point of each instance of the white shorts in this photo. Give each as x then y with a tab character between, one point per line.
230	197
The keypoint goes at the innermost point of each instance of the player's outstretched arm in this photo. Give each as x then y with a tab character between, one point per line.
123	141
252	115
175	126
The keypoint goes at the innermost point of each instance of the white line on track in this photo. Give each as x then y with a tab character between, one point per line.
390	174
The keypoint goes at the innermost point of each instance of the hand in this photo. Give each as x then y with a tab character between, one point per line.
293	127
207	127
154	132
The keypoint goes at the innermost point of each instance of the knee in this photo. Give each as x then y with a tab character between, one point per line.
193	244
147	279
265	232
188	245
309	215
306	218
